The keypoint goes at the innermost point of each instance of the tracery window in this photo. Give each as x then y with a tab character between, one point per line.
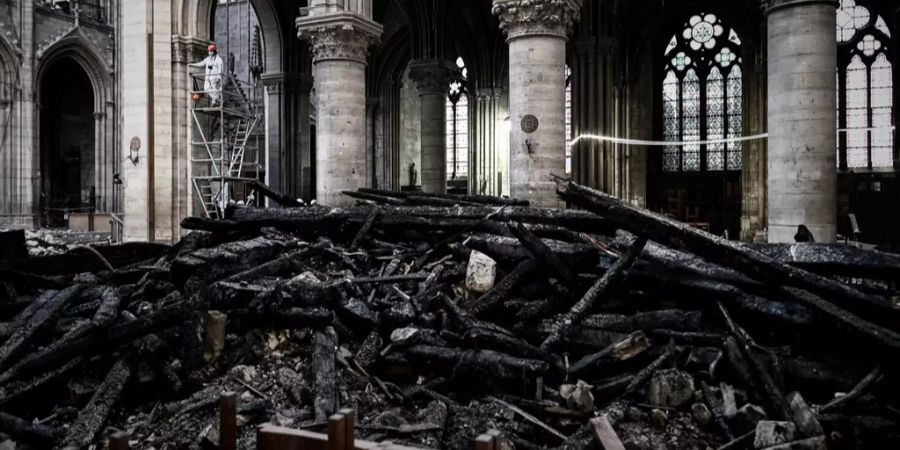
458	125
569	136
865	89
702	96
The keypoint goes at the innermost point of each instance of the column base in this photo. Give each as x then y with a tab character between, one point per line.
19	222
541	194
784	234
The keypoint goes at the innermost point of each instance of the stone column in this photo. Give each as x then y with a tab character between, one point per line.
802	162
537	32
432	78
339	43
303	136
896	91
288	134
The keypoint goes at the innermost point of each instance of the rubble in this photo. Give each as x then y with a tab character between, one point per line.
437	318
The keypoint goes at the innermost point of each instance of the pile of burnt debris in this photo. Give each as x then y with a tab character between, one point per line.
439	317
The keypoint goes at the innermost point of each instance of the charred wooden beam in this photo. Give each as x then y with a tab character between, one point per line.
501	290
612	278
42	436
669	319
324	347
487	364
543	254
834	259
768	390
92	417
628	348
97	343
42	320
761	267
480	199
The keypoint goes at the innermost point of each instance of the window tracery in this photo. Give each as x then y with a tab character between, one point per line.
702	96
865	89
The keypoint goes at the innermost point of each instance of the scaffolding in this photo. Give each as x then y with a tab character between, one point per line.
226	151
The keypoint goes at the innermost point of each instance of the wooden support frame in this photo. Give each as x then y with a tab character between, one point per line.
228	429
340	436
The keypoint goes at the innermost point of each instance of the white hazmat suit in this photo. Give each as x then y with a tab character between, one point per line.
215	67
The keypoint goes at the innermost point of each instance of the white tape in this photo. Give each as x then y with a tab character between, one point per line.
614	140
624	141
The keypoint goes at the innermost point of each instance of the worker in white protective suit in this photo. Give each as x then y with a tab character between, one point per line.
215	67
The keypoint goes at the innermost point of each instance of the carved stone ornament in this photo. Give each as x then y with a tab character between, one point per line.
339	42
537	17
774	5
431	76
188	50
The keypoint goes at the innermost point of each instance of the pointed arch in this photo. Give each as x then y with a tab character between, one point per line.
702	94
865	89
77	46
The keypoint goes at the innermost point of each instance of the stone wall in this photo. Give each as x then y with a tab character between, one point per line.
410	132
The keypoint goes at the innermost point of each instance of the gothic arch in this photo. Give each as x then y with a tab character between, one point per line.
79	48
8	62
196	16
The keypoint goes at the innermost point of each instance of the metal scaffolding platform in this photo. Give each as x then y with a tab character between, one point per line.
225	155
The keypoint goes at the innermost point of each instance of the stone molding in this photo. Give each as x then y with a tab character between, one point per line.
344	36
282	83
186	50
432	76
520	18
488	93
771	6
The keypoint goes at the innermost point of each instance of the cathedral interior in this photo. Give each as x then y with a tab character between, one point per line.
192	149
625	84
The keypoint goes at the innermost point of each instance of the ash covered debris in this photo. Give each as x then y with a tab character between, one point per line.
438	317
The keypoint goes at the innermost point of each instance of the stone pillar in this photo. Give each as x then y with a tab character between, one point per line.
20	153
896	13
537	32
339	43
302	180
802	161
288	134
432	78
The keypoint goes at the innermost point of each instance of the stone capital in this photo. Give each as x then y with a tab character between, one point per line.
520	18
432	76
339	37
287	83
186	50
484	93
771	6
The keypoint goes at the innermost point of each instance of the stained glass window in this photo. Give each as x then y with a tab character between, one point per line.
703	97
458	125
865	89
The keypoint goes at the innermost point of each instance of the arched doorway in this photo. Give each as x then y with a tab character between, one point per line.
67	142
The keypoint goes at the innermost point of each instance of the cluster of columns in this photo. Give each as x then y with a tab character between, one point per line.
537	32
339	40
801	82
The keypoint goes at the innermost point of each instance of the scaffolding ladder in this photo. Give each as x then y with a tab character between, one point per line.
225	150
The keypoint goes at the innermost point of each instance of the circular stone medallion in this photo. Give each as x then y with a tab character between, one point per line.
530	124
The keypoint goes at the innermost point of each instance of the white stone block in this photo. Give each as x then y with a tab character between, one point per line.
480	273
